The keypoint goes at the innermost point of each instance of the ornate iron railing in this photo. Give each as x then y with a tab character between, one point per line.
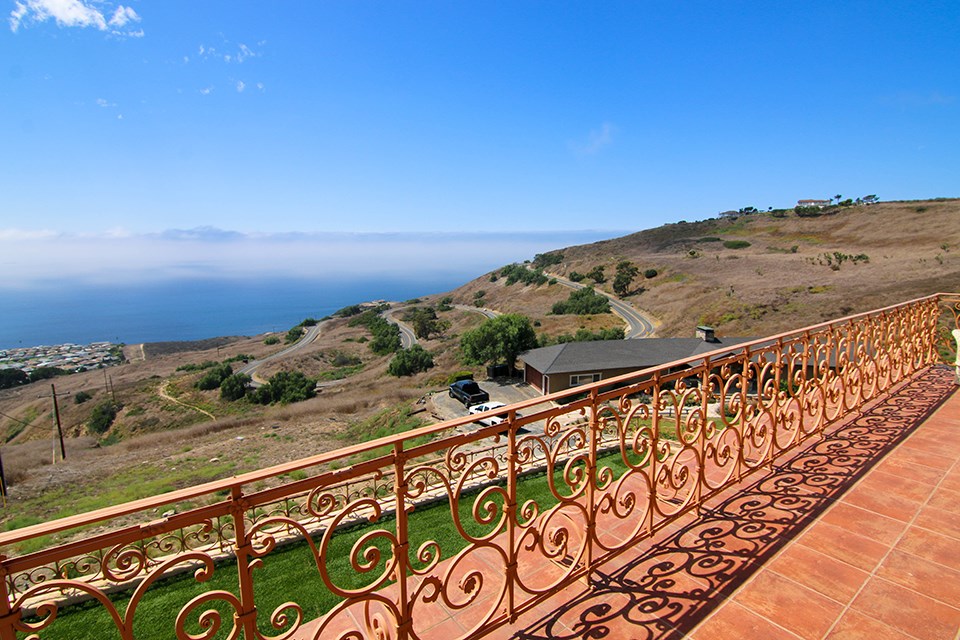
526	507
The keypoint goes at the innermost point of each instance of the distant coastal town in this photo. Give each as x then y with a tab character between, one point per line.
68	357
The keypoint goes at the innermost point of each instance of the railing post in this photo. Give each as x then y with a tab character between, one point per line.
702	435
655	447
511	510
244	620
7	616
745	373
591	494
402	552
777	408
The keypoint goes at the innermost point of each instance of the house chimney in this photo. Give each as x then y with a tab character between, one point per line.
706	334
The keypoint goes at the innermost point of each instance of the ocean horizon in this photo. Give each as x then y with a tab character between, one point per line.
192	309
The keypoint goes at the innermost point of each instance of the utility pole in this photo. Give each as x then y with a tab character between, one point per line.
3	483
56	416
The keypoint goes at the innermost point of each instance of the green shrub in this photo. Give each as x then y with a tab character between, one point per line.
386	336
650	273
596	274
285	387
464	374
271	340
583	302
584	335
341	359
544	260
12	377
213	378
81	397
45	373
736	244
352	310
808	212
102	417
234	387
518	273
407	362
576	276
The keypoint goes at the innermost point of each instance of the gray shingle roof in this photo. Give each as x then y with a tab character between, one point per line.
598	355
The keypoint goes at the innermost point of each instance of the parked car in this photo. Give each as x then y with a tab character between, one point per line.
489	406
468	392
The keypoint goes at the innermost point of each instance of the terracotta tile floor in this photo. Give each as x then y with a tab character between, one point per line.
856	535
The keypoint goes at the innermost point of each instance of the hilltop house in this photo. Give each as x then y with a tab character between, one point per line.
814	203
562	366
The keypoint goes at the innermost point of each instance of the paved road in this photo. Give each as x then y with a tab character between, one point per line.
407	336
311	334
638	325
490	313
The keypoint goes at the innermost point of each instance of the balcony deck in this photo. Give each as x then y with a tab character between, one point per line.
864	544
804	485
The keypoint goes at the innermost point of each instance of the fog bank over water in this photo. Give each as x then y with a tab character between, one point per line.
201	283
32	259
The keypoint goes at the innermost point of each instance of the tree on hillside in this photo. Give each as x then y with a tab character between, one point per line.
582	302
498	340
285	387
12	378
234	387
626	272
596	274
425	322
102	417
407	362
215	377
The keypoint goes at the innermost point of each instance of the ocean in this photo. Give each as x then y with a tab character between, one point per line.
188	309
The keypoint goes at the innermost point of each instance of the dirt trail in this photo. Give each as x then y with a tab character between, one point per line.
162	392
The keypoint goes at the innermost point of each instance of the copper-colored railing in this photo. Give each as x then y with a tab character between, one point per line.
531	505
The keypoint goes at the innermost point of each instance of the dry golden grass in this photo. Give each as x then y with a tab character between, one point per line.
914	249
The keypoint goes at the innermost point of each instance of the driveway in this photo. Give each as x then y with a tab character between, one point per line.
505	390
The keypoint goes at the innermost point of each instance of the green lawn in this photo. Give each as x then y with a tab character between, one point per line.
290	573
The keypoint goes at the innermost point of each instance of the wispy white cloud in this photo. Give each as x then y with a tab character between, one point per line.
241	86
117	256
596	140
913	99
105	103
206	91
16	235
123	16
228	53
75	13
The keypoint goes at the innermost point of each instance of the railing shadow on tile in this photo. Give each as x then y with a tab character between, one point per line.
669	588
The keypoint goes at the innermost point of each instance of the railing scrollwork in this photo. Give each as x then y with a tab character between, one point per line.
491	520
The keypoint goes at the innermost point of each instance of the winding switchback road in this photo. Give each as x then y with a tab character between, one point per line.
311	334
407	336
481	310
638	325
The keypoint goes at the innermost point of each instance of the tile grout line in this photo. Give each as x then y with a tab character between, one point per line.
833	505
893	545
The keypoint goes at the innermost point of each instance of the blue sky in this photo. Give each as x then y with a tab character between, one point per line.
245	120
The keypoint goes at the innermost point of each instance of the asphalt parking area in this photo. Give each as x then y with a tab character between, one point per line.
505	390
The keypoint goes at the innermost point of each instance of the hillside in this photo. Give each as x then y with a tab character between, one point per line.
782	280
746	275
